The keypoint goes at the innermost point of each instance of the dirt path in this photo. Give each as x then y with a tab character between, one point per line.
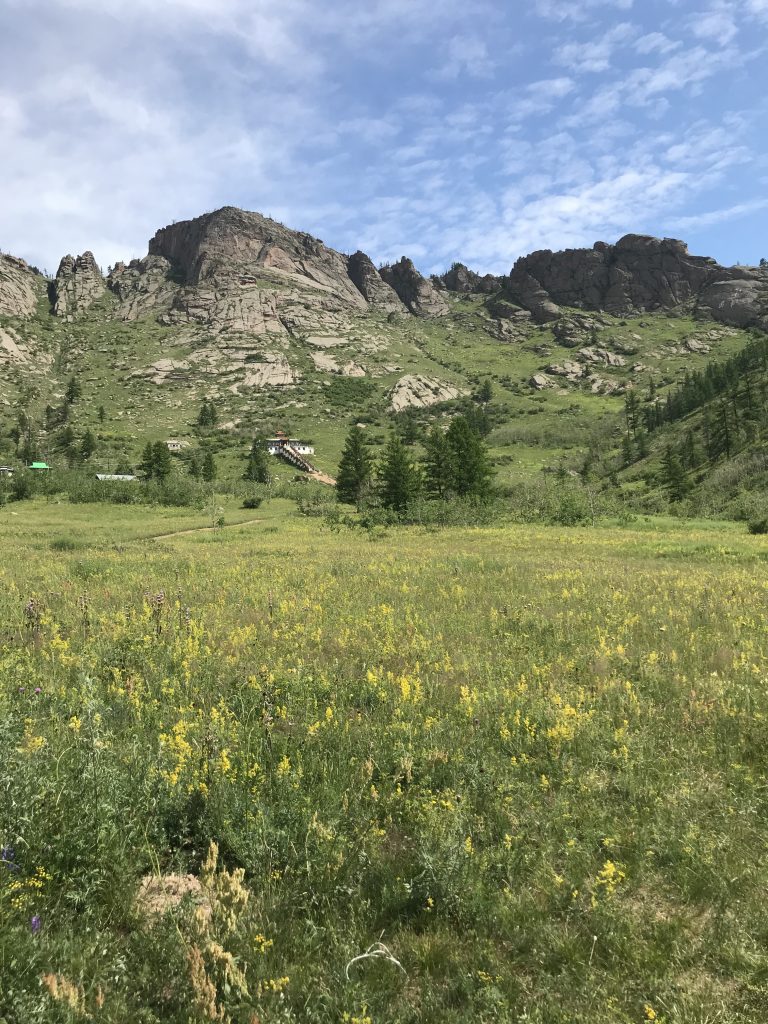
202	529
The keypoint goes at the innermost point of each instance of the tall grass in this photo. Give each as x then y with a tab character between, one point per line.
529	761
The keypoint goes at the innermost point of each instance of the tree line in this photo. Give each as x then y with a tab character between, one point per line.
455	464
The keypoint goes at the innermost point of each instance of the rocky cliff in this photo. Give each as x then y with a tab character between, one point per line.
19	286
416	292
638	273
233	270
78	284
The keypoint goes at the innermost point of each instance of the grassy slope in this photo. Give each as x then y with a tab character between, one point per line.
532	760
534	429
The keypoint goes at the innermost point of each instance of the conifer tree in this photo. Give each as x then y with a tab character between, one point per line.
355	469
400	481
257	467
87	445
673	474
147	463
627	453
74	390
438	464
471	467
161	461
208	467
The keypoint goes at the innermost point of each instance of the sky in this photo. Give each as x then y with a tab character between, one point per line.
444	130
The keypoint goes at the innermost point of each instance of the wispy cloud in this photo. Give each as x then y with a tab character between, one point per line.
594	55
578	10
473	135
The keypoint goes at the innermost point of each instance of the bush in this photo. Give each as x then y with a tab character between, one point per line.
252	502
64	544
758	526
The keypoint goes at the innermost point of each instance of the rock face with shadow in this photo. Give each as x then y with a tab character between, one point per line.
78	284
637	274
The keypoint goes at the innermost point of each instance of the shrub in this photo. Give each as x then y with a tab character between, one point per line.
758	526
251	502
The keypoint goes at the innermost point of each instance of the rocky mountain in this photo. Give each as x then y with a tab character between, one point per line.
281	331
233	270
638	274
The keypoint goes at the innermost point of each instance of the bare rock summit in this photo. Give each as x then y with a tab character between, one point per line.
78	284
416	292
637	274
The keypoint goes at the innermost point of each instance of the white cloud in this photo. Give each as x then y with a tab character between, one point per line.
717	24
656	42
248	102
710	217
539	98
578	10
467	55
594	55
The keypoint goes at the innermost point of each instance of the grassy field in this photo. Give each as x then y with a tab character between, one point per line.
530	762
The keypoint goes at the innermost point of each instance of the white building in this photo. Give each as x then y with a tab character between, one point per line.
277	445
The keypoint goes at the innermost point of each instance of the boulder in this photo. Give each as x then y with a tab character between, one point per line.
742	302
415	391
526	291
503	309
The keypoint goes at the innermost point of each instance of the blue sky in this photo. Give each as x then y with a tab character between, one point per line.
445	130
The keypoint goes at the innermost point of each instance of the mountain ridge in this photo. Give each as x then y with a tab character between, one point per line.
282	332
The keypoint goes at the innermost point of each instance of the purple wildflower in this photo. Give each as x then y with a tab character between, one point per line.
35	924
8	858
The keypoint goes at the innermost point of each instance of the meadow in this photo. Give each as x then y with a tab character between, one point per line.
279	772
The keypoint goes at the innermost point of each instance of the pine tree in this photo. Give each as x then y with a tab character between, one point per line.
471	467
161	461
627	451
641	439
257	467
400	481
689	455
147	463
194	466
673	475
438	464
87	445
485	392
208	468
208	416
74	390
355	469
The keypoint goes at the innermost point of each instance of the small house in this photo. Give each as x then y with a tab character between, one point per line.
126	477
6	470
174	446
277	445
39	466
